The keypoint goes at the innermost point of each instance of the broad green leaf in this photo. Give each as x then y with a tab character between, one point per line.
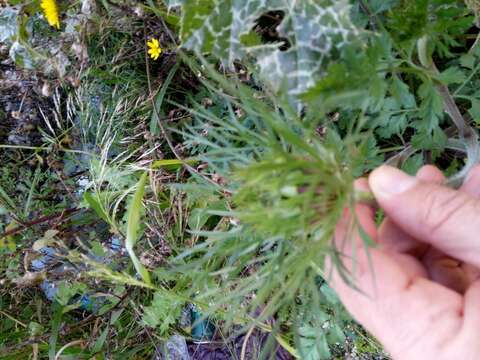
313	29
35	329
98	345
313	32
198	218
434	140
335	335
133	226
67	290
330	296
55	325
97	248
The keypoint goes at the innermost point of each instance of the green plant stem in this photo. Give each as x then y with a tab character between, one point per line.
465	131
365	197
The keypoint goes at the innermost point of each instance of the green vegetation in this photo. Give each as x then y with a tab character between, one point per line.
178	167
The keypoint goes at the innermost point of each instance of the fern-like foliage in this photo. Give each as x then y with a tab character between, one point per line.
289	174
288	186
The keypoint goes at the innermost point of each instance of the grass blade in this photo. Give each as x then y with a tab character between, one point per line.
133	224
154	129
94	203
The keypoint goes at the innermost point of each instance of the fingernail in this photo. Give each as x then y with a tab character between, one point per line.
387	181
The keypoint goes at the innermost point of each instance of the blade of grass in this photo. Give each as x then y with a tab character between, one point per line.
133	225
31	191
56	322
94	203
169	17
170	164
154	128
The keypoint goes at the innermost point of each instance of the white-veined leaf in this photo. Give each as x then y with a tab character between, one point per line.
313	29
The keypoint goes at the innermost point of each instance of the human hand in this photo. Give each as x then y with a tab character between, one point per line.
418	291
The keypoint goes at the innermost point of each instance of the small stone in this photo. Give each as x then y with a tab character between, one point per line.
46	90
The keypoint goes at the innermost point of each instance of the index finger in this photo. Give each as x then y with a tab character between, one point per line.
445	218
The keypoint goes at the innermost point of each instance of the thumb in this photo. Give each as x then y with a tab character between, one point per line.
447	219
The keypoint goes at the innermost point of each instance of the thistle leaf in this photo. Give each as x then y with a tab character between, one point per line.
313	29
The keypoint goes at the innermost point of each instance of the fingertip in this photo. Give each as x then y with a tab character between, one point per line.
387	181
431	213
430	173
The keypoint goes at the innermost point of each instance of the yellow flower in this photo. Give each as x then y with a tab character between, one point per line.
154	48
51	12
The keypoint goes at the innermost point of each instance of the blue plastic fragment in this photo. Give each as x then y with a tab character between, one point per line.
89	304
48	257
202	327
116	244
49	289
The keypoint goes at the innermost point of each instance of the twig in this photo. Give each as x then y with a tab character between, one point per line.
245	342
66	346
366	9
13	319
40	220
